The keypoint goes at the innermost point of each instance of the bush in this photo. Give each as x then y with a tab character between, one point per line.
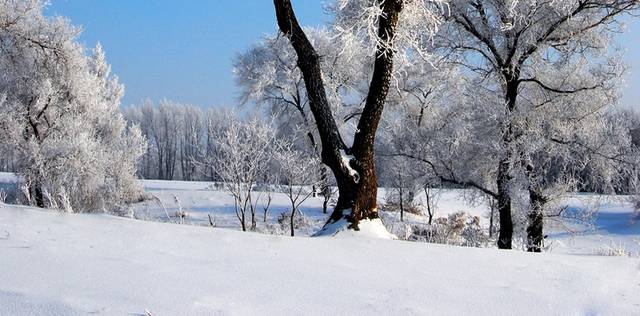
299	222
458	229
614	250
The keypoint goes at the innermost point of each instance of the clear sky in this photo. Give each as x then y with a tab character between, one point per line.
184	51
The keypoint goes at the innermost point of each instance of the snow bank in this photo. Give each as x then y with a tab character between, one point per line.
79	264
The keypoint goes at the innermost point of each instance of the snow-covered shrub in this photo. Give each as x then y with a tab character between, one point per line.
300	221
614	250
392	205
272	229
458	229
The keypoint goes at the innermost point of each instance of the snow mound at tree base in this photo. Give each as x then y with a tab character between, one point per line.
368	228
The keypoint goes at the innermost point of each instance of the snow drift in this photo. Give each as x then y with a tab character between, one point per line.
79	264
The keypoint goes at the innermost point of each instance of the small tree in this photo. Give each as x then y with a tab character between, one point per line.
296	169
431	196
402	183
244	149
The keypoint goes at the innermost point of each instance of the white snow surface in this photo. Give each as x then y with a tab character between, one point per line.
54	264
346	162
615	224
367	228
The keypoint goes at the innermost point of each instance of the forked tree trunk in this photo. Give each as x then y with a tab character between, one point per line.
357	190
266	208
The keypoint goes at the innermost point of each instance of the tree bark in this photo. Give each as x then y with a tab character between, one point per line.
504	169
266	208
38	195
325	189
357	193
537	201
292	218
535	234
429	210
505	235
401	205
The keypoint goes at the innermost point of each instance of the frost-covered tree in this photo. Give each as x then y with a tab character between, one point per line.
177	136
533	55
192	138
296	170
565	85
60	114
384	27
243	152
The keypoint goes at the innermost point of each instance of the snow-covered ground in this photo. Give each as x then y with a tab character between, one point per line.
613	225
53	264
64	264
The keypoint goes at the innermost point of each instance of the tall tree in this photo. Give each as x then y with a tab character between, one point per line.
513	46
59	114
353	166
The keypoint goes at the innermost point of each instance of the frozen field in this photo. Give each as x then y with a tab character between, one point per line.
614	227
614	224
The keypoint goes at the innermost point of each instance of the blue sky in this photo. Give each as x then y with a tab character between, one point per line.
184	52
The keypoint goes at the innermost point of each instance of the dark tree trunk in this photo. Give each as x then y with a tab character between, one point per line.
254	222
325	189
240	215
537	201
38	195
401	205
504	207
292	218
535	234
266	208
429	209
504	169
357	193
325	205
